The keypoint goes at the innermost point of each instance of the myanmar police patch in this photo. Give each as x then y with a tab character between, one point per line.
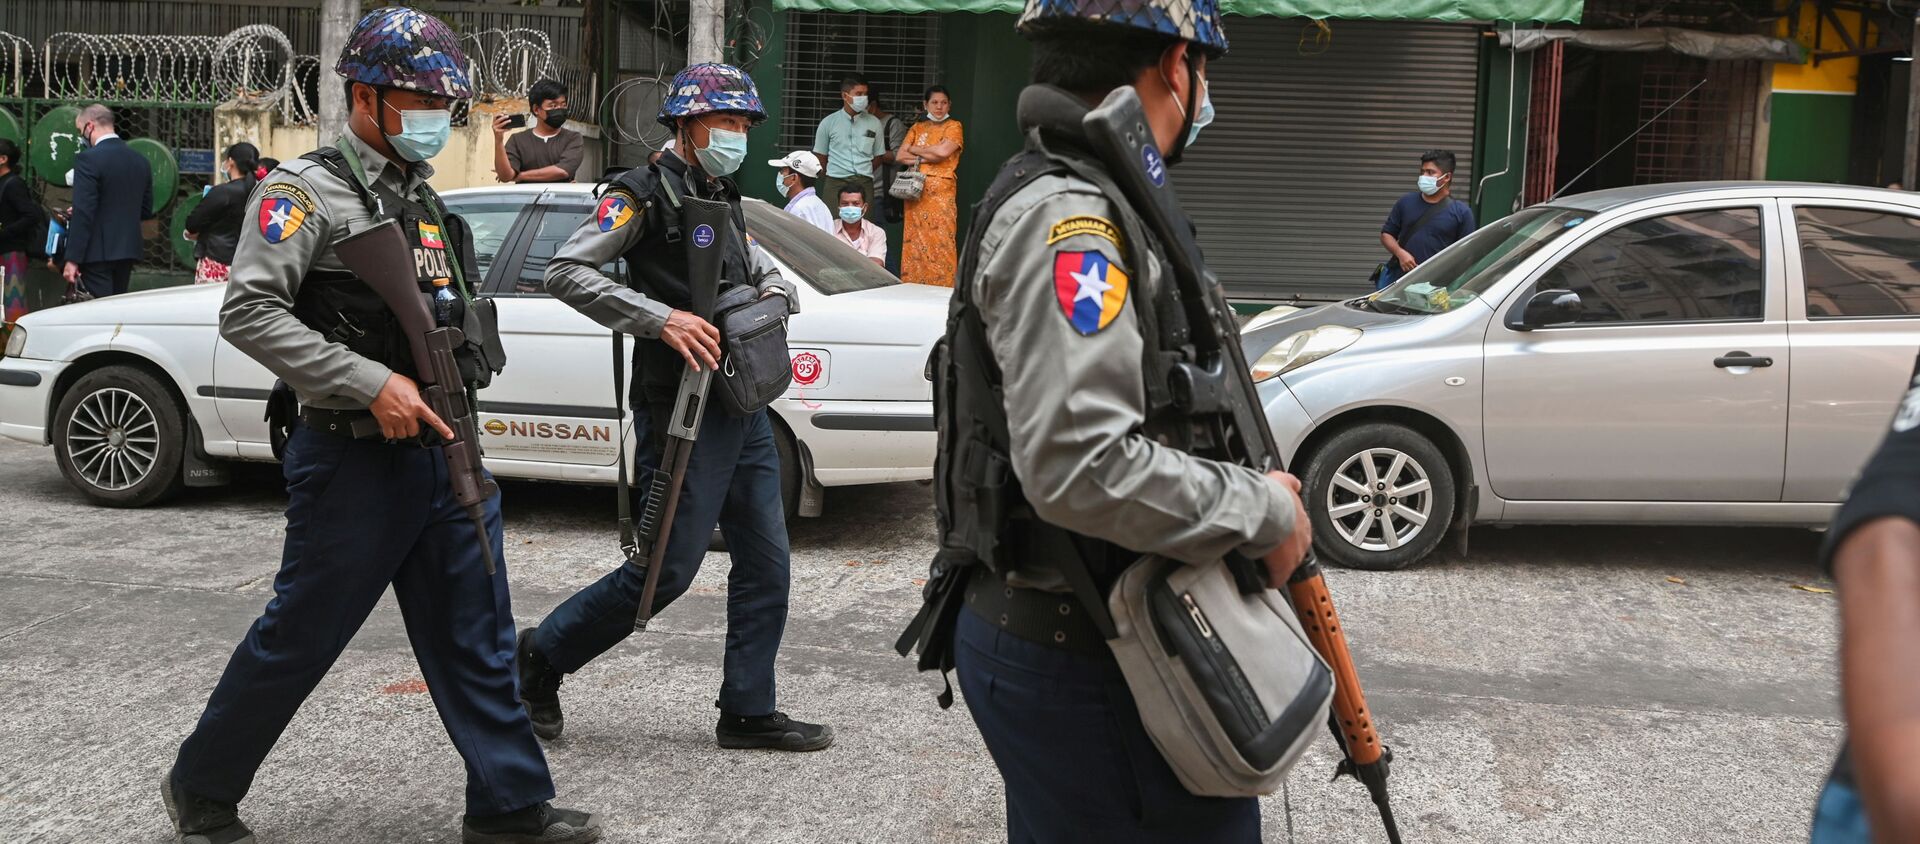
614	211
1090	288
283	209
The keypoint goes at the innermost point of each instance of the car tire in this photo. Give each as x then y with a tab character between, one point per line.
1406	469
119	436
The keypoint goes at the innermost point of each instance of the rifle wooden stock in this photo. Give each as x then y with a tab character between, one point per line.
1314	605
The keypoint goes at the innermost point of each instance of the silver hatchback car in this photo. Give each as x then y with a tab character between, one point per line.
1706	353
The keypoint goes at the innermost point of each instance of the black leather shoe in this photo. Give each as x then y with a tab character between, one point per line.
199	820
540	824
539	687
772	732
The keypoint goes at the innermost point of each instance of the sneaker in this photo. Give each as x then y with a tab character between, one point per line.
538	824
772	732
539	687
199	820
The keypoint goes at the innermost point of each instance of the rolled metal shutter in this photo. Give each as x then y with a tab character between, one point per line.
1314	143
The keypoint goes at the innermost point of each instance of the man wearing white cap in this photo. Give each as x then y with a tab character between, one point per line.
798	171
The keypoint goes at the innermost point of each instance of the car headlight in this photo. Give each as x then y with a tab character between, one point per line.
16	343
1302	348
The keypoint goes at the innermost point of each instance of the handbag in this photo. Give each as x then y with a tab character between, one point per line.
755	366
1227	684
909	184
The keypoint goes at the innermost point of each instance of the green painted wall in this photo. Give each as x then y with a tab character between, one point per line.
984	65
1494	149
756	178
1810	137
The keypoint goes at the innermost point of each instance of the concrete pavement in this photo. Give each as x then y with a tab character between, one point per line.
1555	686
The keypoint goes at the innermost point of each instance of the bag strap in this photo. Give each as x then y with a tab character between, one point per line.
629	546
1418	224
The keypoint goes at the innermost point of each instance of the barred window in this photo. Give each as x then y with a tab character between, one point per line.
897	54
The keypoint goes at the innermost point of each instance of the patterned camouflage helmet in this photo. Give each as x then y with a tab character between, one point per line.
398	47
1197	21
711	88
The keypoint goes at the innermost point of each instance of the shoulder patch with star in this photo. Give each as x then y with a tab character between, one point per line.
617	209
1088	224
283	209
1091	289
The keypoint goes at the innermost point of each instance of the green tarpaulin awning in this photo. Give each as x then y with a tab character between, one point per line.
1547	11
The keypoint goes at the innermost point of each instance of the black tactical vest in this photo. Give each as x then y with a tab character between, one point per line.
657	264
984	515
346	311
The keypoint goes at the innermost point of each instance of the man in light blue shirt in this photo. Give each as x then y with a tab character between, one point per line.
850	141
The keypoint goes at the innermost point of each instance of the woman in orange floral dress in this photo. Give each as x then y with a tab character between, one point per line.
934	144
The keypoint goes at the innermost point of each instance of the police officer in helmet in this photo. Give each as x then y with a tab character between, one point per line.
1055	461
369	503
733	478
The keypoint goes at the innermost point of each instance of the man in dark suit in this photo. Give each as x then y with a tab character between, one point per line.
103	235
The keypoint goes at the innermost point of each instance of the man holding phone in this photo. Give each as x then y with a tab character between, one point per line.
550	152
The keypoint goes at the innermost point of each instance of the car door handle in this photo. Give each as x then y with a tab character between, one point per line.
1731	359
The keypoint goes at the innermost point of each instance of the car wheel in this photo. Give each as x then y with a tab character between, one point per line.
119	435
790	470
1381	497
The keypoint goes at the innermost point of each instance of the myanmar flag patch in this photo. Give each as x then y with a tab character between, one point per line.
1090	288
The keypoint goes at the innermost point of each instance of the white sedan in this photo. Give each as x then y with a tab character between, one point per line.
139	396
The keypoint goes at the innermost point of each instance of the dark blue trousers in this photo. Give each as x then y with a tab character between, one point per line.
733	480
362	515
1078	765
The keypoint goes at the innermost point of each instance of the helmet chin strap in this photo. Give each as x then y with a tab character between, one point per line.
1186	112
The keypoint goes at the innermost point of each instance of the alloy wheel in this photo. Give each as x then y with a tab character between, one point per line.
113	439
1380	499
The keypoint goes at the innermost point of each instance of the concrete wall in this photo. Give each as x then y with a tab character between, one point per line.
466	162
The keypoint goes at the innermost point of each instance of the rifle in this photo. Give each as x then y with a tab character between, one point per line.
381	257
1214	387
708	224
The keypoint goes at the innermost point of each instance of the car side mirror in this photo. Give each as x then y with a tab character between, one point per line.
1547	307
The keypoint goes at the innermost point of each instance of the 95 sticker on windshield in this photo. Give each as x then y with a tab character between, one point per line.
810	368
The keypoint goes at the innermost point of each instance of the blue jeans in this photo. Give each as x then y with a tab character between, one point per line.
1077	763
1839	817
361	515
733	480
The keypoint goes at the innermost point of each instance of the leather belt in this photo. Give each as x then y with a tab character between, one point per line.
353	424
1052	619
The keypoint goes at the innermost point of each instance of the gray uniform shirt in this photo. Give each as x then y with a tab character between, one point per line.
574	275
1075	399
312	210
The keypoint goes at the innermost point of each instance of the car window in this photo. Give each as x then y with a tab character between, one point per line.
1859	263
1466	270
828	265
557	223
1687	267
491	219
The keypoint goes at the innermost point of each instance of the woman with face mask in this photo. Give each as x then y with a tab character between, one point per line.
20	220
214	224
933	145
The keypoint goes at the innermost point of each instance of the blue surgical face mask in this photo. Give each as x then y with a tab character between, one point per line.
850	214
938	118
724	152
423	132
1204	117
860	103
780	183
1429	185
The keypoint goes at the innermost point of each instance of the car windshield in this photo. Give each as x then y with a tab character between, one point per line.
1465	270
829	265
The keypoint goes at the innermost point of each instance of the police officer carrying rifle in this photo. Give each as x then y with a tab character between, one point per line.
371	498
1059	443
733	476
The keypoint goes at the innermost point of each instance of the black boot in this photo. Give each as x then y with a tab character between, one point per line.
771	732
539	824
199	820
539	687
